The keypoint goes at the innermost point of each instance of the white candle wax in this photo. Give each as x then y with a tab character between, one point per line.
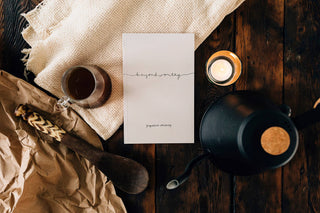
221	70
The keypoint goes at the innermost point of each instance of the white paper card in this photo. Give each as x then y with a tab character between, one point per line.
158	79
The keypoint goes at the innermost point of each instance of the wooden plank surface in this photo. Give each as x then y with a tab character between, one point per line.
144	202
278	43
259	43
208	189
11	41
301	187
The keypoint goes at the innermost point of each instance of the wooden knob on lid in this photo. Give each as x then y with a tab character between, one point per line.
317	104
275	140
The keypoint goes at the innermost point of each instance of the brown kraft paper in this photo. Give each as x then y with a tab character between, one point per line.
39	174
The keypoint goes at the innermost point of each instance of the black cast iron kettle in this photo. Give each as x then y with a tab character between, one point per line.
244	133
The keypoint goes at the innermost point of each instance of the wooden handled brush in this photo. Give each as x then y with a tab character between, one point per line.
126	174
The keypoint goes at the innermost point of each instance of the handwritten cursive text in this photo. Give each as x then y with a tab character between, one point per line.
157	75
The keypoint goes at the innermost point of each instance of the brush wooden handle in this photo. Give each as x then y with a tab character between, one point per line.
128	175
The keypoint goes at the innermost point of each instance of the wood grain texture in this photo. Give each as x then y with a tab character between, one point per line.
11	41
278	43
208	189
259	43
144	154
301	186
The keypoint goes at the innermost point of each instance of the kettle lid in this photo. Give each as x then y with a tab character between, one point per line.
268	138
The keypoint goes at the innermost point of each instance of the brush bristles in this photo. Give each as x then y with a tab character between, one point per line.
37	121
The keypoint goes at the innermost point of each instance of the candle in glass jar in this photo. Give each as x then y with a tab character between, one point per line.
221	70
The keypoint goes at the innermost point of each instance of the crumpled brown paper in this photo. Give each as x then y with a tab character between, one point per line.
38	174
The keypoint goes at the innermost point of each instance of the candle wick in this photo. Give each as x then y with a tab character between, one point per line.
221	70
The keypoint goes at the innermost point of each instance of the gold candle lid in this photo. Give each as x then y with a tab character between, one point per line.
230	61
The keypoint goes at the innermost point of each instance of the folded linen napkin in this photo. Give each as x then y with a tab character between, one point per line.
65	33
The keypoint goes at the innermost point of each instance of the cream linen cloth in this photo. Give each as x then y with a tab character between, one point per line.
65	33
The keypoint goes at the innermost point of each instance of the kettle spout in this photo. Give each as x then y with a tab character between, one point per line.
175	183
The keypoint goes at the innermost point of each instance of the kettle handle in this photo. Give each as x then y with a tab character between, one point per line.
175	183
310	117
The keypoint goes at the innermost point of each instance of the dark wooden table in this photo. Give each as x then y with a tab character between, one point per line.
279	44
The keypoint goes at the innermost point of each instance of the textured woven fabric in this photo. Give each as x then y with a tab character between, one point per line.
65	33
